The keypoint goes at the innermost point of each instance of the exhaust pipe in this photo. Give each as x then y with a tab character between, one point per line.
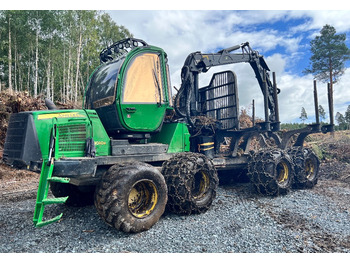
50	105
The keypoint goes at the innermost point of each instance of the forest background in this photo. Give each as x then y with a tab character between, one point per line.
53	53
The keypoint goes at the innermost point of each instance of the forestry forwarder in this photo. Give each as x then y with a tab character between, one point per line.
129	147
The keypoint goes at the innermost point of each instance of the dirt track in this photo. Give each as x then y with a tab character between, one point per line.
16	185
302	216
315	220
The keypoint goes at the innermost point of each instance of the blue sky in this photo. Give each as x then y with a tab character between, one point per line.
279	30
282	36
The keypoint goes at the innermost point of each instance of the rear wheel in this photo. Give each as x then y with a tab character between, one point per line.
306	166
192	182
270	171
131	196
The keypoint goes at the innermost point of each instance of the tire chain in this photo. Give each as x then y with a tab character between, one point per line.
261	165
298	155
178	176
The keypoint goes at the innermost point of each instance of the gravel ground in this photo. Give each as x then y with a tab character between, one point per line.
316	220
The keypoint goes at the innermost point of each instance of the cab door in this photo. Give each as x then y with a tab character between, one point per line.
143	99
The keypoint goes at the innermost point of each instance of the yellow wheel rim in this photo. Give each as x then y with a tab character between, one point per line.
282	173
309	169
201	185
142	198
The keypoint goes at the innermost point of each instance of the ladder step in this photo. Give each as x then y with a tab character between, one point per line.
59	179
58	200
52	220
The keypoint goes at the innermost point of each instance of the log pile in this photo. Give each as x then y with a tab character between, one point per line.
19	102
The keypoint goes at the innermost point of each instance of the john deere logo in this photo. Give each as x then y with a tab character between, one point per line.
100	143
60	115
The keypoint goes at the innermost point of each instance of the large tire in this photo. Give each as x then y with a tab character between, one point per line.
306	167
270	171
131	196
192	181
77	196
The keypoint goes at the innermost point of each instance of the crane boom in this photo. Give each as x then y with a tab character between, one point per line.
197	62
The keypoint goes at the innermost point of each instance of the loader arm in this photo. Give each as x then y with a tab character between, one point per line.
197	63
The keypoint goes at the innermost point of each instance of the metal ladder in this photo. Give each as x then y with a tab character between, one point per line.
44	183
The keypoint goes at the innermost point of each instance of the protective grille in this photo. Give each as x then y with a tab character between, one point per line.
219	100
15	137
72	138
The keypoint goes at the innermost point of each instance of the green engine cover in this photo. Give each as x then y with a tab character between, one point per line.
73	128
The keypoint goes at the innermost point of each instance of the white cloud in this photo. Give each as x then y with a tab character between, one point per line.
181	32
318	18
297	92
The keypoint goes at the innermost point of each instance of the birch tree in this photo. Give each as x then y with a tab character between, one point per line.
10	56
78	64
36	79
53	52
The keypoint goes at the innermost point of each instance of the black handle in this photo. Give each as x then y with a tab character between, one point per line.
130	109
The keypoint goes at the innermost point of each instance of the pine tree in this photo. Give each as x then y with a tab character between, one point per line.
347	116
329	54
339	117
303	115
321	112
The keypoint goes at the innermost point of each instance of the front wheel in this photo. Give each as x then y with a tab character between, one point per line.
131	196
